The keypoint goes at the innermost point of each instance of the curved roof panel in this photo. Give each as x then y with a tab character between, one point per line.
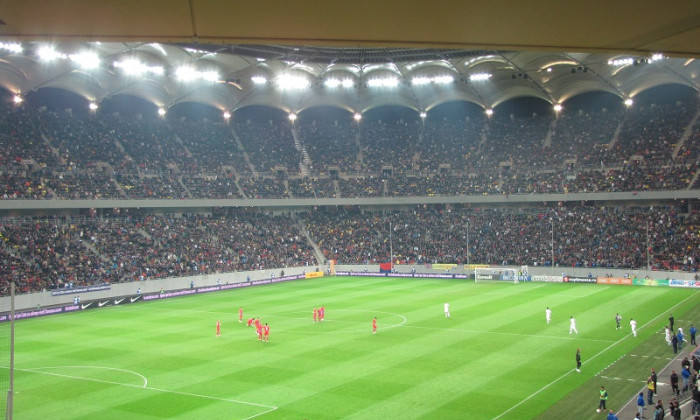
226	76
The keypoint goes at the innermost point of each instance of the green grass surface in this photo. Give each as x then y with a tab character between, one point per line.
496	358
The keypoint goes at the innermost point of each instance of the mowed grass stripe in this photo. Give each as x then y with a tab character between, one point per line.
495	348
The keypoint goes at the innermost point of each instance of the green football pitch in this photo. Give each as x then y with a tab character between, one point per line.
494	358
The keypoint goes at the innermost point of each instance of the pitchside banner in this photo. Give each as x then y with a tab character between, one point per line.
650	282
86	289
695	284
614	280
573	279
102	303
416	275
548	279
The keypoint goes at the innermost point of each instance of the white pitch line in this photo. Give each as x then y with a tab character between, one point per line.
39	369
595	291
188	394
594	356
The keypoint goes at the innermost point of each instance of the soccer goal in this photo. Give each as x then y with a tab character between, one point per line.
496	274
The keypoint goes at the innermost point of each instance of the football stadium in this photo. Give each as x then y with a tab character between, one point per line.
383	211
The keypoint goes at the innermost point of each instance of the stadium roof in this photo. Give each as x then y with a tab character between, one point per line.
436	52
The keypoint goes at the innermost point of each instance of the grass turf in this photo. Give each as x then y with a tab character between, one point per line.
495	358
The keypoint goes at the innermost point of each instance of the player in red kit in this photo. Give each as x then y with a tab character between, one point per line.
250	321
258	331
315	314
218	328
266	332
240	314
322	313
374	325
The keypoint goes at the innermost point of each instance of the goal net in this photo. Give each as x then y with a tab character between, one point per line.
501	274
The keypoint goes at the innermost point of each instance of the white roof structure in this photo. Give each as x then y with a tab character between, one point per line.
224	76
545	49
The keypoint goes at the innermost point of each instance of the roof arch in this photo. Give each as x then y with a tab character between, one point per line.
483	77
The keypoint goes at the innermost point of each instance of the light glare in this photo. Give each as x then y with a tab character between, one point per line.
384	82
480	76
14	47
86	60
286	81
47	53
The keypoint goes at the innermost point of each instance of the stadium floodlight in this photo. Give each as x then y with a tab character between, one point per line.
93	106
227	115
558	107
259	80
17	99
621	62
86	60
357	116
420	80
292	117
389	82
628	102
423	114
137	68
161	111
489	111
47	53
14	47
443	80
289	82
480	76
334	83
190	74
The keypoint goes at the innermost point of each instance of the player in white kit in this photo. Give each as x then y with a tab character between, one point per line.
572	325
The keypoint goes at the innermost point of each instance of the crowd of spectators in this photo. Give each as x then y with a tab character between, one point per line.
42	254
653	131
48	155
330	142
584	136
388	143
47	253
269	143
453	142
583	237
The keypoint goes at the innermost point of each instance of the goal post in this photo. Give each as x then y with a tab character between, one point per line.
499	274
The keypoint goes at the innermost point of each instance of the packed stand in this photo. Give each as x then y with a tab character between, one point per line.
330	143
519	141
584	136
583	237
211	145
261	187
653	131
269	143
43	254
453	142
389	142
